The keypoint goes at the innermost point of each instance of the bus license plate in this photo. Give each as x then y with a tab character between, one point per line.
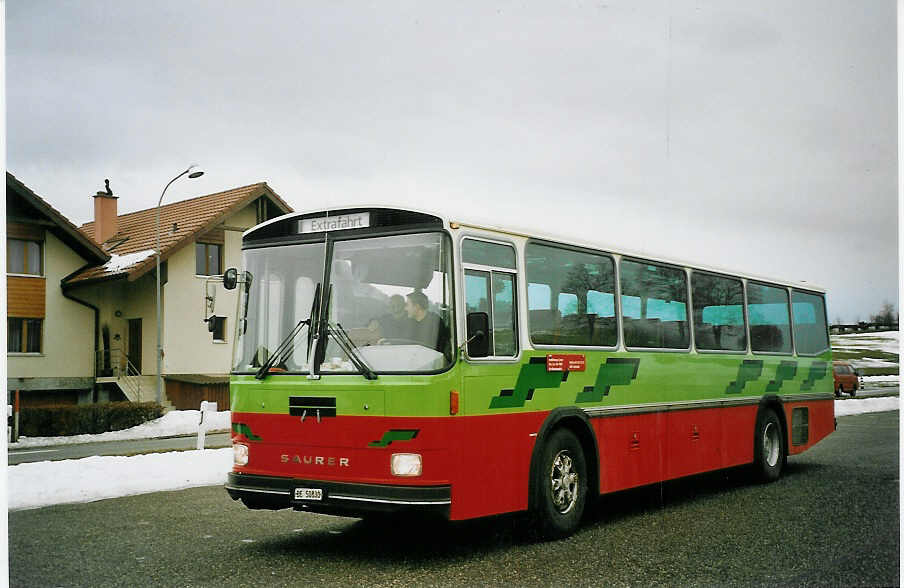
308	494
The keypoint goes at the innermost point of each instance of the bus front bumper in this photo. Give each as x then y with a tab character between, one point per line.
337	498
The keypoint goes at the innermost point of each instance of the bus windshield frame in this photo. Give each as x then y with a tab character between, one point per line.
383	297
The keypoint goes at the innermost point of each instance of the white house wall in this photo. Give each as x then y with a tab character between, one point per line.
68	337
188	345
121	300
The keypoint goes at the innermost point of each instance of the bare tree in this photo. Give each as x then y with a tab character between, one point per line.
886	316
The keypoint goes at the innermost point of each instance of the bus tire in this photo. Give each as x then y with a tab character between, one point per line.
768	446
561	486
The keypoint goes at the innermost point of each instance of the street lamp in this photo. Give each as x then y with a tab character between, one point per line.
193	172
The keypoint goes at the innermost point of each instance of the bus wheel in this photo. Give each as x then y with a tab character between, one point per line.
561	486
769	446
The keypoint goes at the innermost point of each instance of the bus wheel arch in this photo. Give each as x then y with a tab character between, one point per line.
770	440
561	424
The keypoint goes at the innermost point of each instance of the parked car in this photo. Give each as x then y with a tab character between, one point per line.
846	378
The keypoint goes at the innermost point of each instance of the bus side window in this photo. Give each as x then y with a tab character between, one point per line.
570	297
491	290
718	313
654	305
770	324
811	336
494	293
504	314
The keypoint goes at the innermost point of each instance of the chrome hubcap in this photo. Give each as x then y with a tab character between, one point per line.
564	482
771	444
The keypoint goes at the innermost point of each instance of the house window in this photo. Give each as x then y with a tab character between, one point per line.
208	259
24	257
219	328
23	335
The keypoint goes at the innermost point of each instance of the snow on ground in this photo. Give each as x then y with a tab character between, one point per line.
871	362
865	405
887	341
881	380
33	485
176	422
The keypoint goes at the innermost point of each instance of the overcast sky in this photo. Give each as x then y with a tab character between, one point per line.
759	136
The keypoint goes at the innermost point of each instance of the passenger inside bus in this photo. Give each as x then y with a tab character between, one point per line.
395	324
425	324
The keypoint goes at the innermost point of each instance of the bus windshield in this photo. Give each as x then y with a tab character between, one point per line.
389	306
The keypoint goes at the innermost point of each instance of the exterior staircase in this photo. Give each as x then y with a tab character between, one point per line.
115	367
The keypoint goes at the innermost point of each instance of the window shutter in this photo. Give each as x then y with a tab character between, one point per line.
25	296
24	231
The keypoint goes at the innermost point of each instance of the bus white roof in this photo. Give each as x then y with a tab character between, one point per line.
526	233
532	234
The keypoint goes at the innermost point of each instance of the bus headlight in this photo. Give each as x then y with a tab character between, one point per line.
240	454
406	464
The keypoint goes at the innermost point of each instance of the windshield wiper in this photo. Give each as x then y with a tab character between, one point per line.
342	339
345	342
287	345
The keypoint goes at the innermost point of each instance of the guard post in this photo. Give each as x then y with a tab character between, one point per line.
206	407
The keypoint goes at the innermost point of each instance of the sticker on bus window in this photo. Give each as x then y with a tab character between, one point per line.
565	362
341	222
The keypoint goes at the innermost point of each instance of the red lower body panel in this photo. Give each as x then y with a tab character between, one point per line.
636	450
486	459
820	422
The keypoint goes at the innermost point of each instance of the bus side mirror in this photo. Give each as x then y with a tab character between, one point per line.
230	278
478	327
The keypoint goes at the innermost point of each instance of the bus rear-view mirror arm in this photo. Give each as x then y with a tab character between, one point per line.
477	342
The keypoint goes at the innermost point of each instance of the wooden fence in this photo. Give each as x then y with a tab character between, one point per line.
188	395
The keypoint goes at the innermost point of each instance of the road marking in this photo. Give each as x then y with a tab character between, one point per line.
34	451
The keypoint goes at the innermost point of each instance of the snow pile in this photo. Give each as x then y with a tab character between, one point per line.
118	263
865	405
32	485
177	422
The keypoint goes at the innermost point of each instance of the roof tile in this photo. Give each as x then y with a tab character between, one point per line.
136	230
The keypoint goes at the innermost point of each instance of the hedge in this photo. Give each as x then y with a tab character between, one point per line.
53	421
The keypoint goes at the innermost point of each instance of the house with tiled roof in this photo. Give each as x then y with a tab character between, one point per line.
51	335
199	238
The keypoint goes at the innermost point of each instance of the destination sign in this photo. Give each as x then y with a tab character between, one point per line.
342	222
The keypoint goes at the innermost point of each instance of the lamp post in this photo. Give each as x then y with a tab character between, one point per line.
192	172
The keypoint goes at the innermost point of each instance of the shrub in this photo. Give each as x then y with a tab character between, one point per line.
52	421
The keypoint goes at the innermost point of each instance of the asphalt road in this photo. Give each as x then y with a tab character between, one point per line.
832	519
76	451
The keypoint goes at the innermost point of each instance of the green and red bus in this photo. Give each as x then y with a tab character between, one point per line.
392	360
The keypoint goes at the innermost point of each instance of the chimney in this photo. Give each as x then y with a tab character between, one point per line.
105	218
